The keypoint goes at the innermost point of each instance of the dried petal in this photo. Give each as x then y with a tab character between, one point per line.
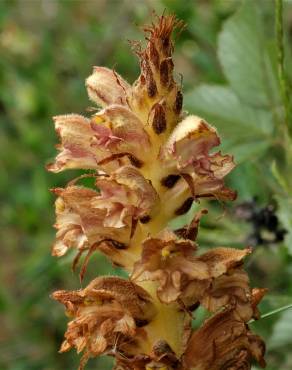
231	289
207	177
108	307
132	194
117	127
187	151
88	220
88	145
223	342
80	225
221	259
171	262
257	295
191	138
220	289
129	295
165	259
75	150
106	87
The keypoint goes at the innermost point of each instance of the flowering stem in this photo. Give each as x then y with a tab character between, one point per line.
151	163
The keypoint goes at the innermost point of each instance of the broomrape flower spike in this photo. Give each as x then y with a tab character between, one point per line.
150	162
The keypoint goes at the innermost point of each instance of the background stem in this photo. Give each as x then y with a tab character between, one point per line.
280	58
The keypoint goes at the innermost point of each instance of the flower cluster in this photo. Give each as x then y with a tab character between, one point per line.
150	162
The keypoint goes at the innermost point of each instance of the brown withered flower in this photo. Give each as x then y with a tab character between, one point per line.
223	342
181	274
105	219
187	152
150	162
233	289
106	314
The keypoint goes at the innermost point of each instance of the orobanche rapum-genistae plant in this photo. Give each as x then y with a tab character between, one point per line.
150	162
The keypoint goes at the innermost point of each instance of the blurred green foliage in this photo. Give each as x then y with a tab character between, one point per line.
227	56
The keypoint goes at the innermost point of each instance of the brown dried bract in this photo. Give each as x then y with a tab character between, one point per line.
223	342
171	261
106	314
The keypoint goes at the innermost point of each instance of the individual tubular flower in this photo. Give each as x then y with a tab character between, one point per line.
187	152
106	87
232	289
128	190
107	313
171	261
223	342
150	162
80	225
110	138
89	219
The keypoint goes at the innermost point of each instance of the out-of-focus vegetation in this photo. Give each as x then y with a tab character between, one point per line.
227	56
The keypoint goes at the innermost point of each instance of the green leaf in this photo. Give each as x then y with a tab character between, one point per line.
250	180
244	57
279	177
285	216
282	331
244	130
